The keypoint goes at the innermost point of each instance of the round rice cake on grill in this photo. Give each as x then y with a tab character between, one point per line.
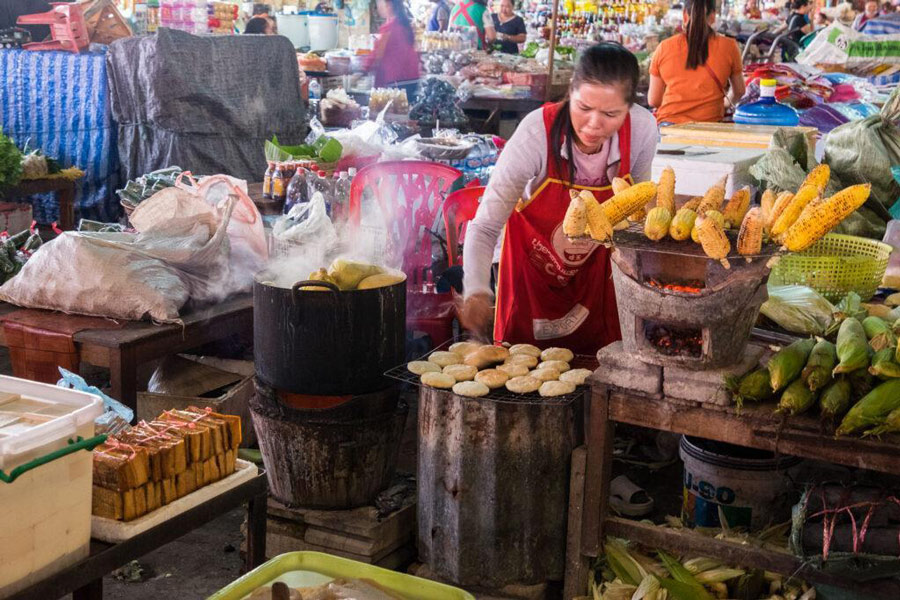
546	374
420	367
443	359
523	385
559	365
563	354
461	372
493	378
441	381
576	376
464	348
523	359
514	369
473	389
550	389
526	349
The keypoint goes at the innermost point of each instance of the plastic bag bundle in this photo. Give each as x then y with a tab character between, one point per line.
116	416
798	309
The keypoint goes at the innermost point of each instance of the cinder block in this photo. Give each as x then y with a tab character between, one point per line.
707	386
621	369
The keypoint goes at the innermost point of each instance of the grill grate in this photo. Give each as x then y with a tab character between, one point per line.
633	238
502	395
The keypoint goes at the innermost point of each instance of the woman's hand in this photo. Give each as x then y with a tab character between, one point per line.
477	314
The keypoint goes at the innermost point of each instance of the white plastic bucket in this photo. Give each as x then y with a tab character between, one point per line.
744	487
323	32
295	28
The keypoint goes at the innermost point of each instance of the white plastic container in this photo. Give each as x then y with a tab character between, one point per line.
697	168
45	513
295	28
323	32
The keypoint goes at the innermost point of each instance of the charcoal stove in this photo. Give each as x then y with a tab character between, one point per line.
679	308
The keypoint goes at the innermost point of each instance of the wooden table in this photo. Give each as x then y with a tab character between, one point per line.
266	206
123	350
755	427
85	579
65	194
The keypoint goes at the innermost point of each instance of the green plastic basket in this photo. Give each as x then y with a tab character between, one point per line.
835	265
300	569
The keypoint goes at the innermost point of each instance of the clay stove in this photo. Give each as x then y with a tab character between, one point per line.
679	308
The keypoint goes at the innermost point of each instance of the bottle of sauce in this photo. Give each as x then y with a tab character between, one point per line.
279	183
267	181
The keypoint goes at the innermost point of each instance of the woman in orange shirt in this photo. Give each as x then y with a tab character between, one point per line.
689	72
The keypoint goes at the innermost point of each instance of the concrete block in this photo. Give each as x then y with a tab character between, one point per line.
707	386
623	370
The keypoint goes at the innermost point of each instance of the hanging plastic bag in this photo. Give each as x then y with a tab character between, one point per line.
116	416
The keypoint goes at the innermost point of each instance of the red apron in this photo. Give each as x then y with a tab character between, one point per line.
552	291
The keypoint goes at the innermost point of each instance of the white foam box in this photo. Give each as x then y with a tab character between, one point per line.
45	520
699	167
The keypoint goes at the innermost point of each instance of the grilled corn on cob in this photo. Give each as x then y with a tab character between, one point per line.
657	224
766	204
823	218
713	239
792	211
713	198
737	207
781	203
575	220
628	201
665	190
682	224
749	240
619	185
818	177
712	214
599	227
693	204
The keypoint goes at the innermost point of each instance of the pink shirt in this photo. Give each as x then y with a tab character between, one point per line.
394	59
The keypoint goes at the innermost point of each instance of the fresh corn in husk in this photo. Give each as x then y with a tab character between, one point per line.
793	209
575	221
818	177
796	399
787	364
682	224
737	207
713	239
719	575
750	237
891	424
861	383
822	360
825	217
884	366
665	190
882	311
835	399
628	201
713	198
656	226
873	409
879	334
893	300
852	348
701	563
754	387
781	202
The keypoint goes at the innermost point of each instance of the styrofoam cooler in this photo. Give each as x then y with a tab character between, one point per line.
323	32
45	512
295	28
700	167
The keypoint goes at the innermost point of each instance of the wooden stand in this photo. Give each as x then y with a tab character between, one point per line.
65	194
755	427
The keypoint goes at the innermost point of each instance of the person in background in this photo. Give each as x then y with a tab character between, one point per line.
261	26
510	28
474	14
886	9
870	12
820	21
439	19
751	10
689	72
394	60
798	24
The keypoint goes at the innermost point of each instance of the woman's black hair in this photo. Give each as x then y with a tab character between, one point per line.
399	9
797	4
256	25
605	63
698	31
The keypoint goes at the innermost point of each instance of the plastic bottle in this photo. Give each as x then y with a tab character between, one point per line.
140	18
279	184
766	110
315	89
340	206
297	190
321	183
267	181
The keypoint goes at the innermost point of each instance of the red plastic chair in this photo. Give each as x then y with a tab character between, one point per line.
67	28
411	195
459	208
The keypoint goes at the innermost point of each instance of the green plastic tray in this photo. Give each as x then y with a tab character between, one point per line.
302	569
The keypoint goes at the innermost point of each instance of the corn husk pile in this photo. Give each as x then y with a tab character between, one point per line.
626	573
856	379
794	220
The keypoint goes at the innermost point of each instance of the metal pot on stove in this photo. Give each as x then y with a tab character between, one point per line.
315	338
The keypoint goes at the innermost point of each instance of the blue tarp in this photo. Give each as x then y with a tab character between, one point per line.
59	103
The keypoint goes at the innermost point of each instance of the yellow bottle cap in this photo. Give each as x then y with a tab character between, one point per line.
768	82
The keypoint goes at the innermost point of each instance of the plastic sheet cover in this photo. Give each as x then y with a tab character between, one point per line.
206	103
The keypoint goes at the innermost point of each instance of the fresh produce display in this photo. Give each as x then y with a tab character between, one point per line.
36	164
324	150
351	275
625	572
10	162
138	190
15	250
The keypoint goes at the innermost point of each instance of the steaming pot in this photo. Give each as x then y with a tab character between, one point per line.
324	341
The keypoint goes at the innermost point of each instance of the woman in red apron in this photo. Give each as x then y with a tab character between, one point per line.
553	291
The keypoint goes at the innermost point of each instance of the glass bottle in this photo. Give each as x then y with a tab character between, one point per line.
267	181
279	184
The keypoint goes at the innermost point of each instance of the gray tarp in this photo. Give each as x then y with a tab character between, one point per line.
206	104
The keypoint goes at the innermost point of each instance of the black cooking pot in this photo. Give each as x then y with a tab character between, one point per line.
327	341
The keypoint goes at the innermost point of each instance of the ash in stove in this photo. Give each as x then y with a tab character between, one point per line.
674	341
684	287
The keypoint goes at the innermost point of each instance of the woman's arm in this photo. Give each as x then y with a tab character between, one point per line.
656	91
737	75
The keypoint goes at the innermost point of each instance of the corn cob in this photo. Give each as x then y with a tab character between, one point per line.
781	203
818	177
628	201
835	400
718	575
879	334
619	185
598	225
693	204
713	198
883	365
682	224
822	219
713	239
755	386
891	424
766	204
712	214
665	190
852	349
812	204
576	217
737	207
657	224
821	361
861	383
873	409
796	399
637	216
701	563
749	240
788	363
793	209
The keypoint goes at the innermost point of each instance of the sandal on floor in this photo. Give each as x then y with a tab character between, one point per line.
626	498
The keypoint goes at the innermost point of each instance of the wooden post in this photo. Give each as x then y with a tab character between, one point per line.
552	50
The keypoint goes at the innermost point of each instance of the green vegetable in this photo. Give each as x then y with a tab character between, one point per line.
884	366
330	151
879	333
852	348
755	386
891	424
873	409
822	361
33	242
835	400
796	399
861	383
682	576
788	363
10	163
